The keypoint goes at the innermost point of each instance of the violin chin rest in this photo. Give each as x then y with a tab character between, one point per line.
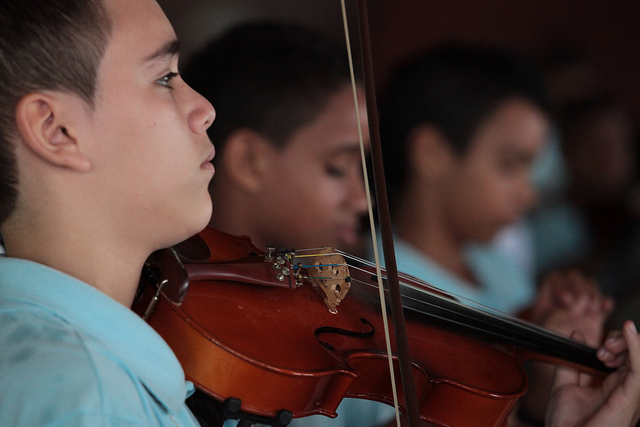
193	250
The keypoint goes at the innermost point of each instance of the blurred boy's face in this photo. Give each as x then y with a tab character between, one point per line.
148	131
490	185
315	196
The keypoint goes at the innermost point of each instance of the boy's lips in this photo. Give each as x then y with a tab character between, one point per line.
207	162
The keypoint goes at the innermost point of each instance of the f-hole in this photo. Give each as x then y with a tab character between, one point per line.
344	332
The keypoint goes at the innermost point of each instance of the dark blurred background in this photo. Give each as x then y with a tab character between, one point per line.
599	39
587	50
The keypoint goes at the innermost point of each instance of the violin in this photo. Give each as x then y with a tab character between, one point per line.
295	332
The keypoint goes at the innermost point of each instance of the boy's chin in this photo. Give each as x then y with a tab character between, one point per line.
194	224
202	221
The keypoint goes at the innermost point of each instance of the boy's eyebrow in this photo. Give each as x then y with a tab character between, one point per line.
170	48
353	146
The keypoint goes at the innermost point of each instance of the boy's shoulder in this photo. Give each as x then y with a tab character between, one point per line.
67	349
57	373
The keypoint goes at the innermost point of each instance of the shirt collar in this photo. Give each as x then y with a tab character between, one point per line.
97	315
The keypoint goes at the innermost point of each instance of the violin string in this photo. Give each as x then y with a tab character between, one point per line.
464	302
314	254
468	314
473	308
449	297
474	319
322	265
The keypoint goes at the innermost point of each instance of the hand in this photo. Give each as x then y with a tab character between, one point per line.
569	301
615	402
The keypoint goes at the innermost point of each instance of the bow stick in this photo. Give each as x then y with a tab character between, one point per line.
397	313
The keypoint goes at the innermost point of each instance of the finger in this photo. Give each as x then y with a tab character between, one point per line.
564	375
582	379
581	290
566	298
579	304
547	289
563	289
614	351
633	342
599	306
545	299
615	342
610	359
587	288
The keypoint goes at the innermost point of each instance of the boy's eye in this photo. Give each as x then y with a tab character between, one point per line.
335	171
508	165
166	80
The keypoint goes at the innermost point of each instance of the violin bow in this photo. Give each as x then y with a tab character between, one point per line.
395	298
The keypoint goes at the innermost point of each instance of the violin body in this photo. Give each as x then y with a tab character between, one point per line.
278	347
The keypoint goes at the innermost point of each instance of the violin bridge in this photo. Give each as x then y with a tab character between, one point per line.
330	276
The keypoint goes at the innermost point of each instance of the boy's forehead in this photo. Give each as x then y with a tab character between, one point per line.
140	32
138	22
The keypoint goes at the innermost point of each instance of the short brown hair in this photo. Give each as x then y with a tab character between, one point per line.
44	45
271	77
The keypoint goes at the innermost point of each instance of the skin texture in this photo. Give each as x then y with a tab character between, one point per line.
499	166
306	194
574	402
102	188
452	198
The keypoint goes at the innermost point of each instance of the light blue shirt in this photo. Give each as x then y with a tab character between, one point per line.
351	413
504	286
562	236
72	356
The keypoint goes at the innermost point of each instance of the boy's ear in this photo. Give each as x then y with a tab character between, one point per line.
46	125
244	159
429	153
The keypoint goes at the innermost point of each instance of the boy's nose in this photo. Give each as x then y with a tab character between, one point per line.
529	196
358	196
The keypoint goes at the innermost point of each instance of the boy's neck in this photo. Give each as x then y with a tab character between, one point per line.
112	269
421	227
236	212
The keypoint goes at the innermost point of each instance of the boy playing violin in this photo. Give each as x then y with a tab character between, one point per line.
105	159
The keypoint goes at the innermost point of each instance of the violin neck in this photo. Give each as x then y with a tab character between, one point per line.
528	339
